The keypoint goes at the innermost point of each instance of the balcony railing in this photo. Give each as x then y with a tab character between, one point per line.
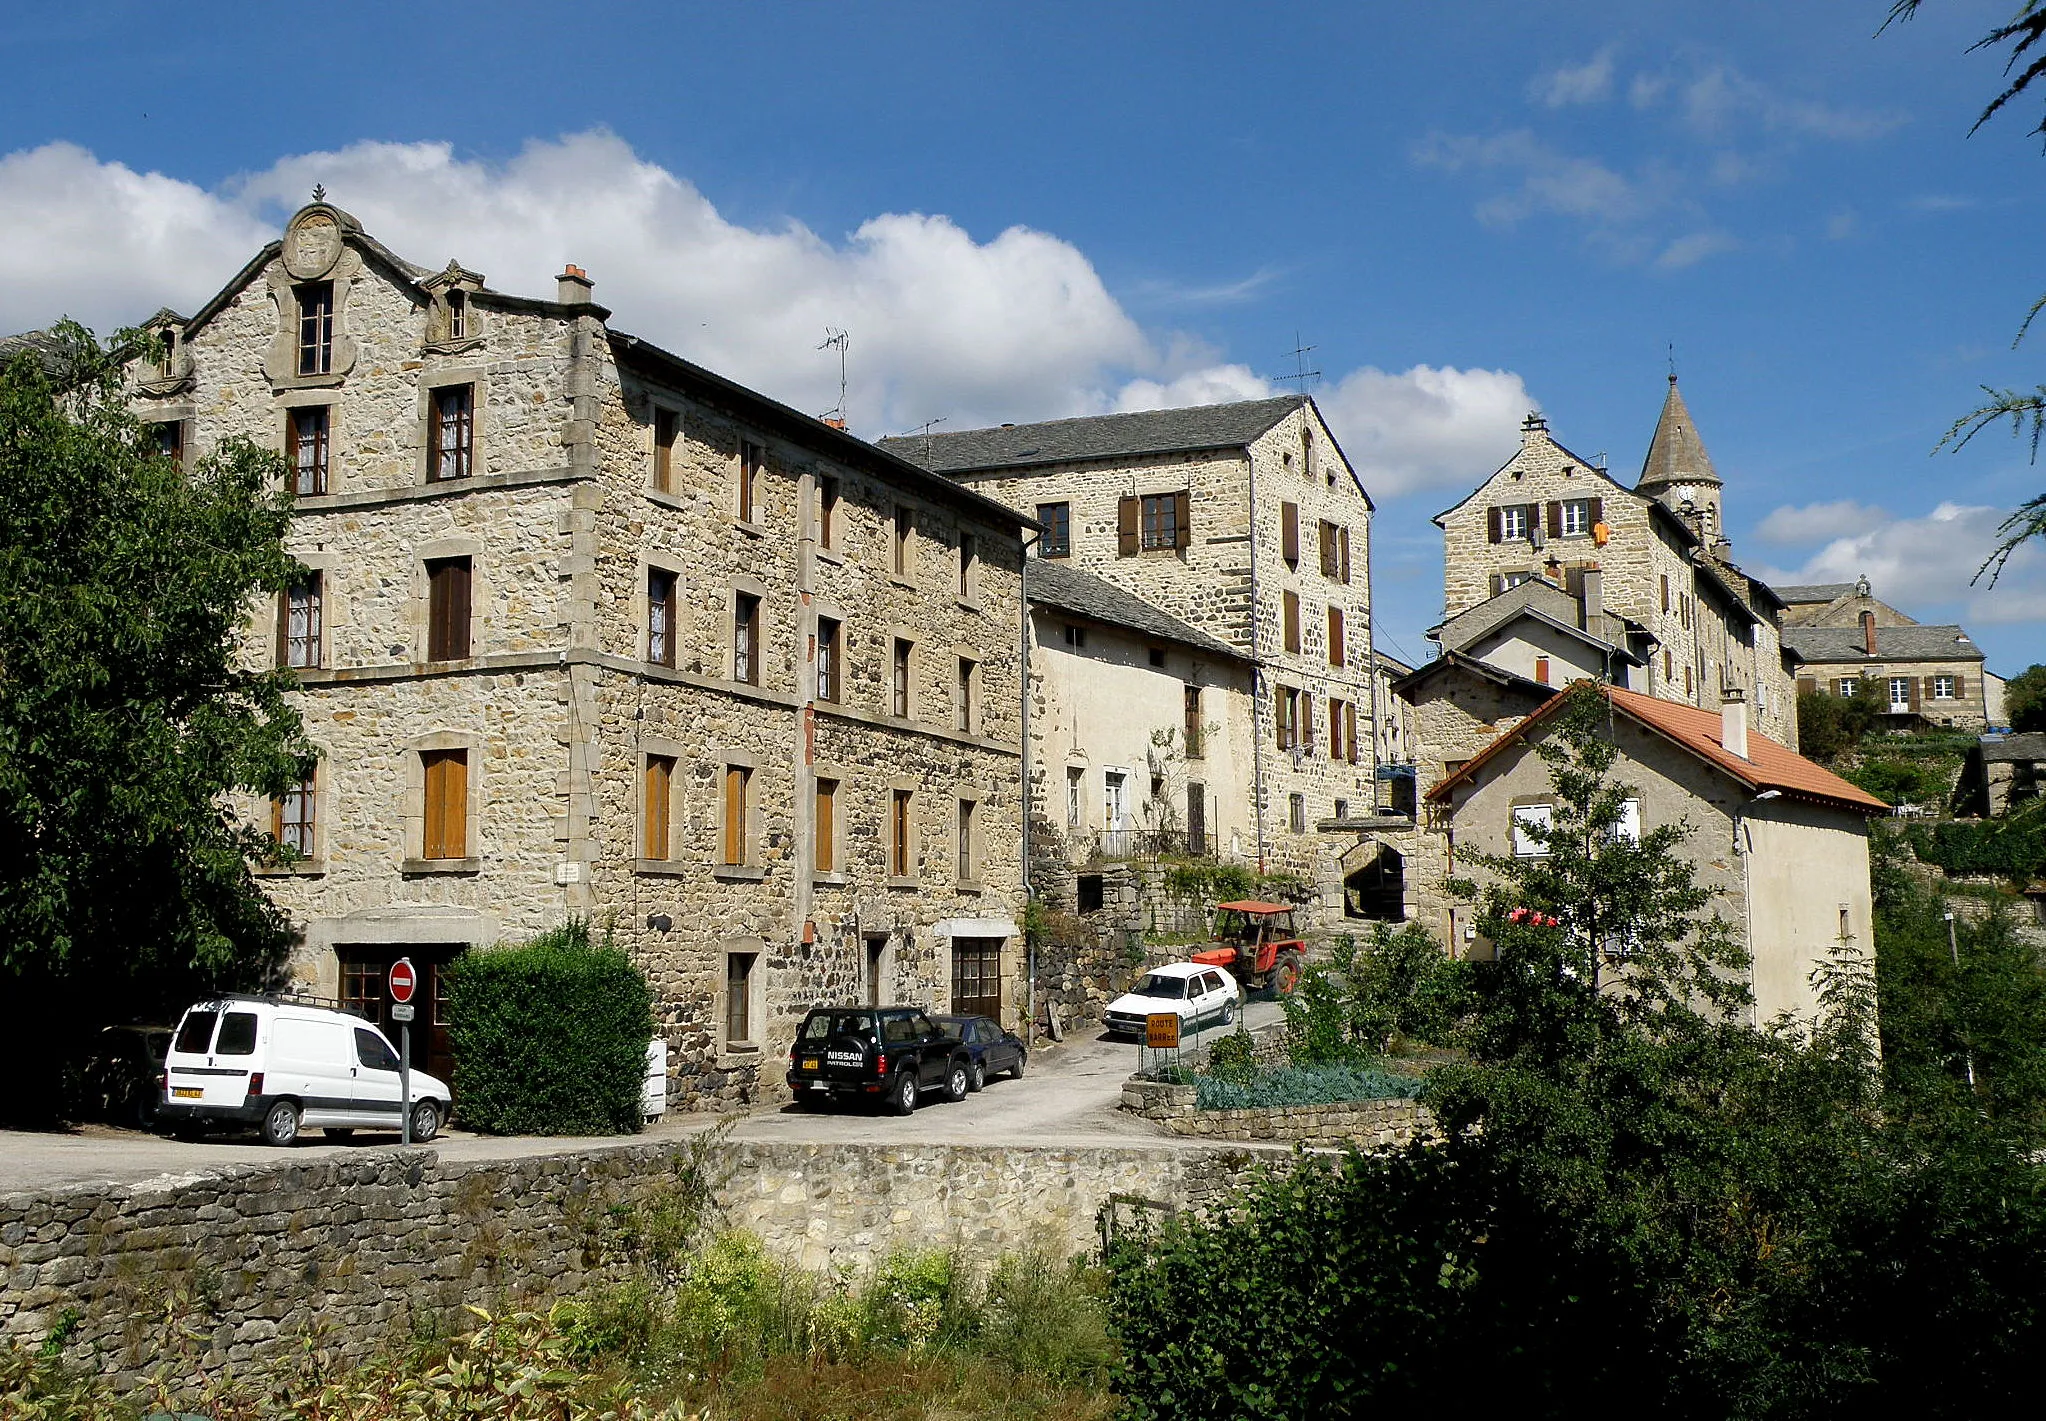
1147	843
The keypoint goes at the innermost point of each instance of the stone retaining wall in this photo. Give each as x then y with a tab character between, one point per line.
368	1248
1373	1124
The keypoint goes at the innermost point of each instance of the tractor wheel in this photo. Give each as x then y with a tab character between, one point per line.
1286	974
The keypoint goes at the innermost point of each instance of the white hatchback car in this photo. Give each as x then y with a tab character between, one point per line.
281	1066
1199	996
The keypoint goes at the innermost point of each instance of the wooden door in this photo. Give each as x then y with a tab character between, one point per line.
977	976
365	972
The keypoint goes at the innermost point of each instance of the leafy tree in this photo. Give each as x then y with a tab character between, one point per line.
126	717
2025	698
1829	725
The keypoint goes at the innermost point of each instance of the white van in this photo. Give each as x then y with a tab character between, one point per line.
283	1066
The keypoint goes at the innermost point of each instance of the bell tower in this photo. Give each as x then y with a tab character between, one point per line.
1679	472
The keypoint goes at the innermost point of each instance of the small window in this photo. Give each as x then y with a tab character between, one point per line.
1076	779
1513	522
1191	697
1074	636
968	674
237	1035
1846	685
752	459
827	512
295	817
372	1052
1528	820
451	433
458	315
1296	812
967	569
1089	893
746	638
899	834
739	997
1331	552
824	828
307	457
1160	521
300	629
1157	656
315	328
667	429
1514	579
447	609
1943	688
1628	830
1542	669
659	797
446	775
738	802
1342	810
1574	518
899	701
829	637
1057	519
168	438
660	616
1286	714
969	864
905	532
1335	729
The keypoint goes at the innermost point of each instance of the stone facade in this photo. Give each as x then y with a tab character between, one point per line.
648	554
1252	496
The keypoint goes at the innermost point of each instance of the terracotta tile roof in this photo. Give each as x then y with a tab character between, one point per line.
1769	766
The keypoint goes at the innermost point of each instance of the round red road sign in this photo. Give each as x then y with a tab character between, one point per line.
404	980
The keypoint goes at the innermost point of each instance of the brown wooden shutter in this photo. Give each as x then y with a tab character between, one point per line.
1926	688
826	828
735	814
1289	532
1555	517
1498	582
1598	511
1182	508
1343	552
284	628
1960	685
1290	601
447	803
1350	731
1336	655
659	779
1493	524
1807	685
1665	592
1913	683
1126	513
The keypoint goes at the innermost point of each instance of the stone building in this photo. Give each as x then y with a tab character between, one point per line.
1550	636
587	629
1781	842
2004	773
1848	642
1244	521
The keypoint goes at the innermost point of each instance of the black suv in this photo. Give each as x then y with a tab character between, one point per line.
888	1055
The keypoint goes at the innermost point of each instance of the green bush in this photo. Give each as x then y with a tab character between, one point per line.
1234	1058
2009	848
1829	724
550	1036
1304	1085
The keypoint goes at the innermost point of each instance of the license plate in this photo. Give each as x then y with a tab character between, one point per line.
810	1063
819	1085
187	1092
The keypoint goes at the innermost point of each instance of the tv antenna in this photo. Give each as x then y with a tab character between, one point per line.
924	430
838	340
1301	374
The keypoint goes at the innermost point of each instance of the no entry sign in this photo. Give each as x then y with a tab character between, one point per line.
404	980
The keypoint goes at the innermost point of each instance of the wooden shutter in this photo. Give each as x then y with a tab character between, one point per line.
1928	689
1960	685
1914	702
735	814
1126	513
1182	518
1598	511
447	803
1665	592
1335	636
1555	517
659	780
1343	552
1807	685
1498	583
447	631
1494	525
827	827
1290	601
1289	532
284	628
1350	731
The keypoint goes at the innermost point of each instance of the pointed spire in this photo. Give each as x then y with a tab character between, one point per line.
1676	454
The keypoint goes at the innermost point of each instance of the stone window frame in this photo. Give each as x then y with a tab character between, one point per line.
828	515
479	421
1057	540
911	701
903	537
649	749
749	484
439	336
280	359
903	851
179	418
824	610
1076	798
288	404
969	690
649	563
314	863
1581	506
325	564
747	587
1296	813
841	777
419	606
968	837
415	861
755	950
966	588
728	758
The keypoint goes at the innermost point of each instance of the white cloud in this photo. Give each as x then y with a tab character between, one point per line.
1925	565
1427	427
1720	100
1549	181
1788	526
1586	83
1693	248
1215	385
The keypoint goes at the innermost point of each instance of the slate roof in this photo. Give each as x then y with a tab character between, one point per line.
2026	748
1676	454
1917	643
1107	436
1053	582
1483	670
47	347
1767	766
1538	598
1815	592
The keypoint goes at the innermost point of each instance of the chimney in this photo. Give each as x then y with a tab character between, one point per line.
572	287
1733	722
1592	600
1868	632
836	421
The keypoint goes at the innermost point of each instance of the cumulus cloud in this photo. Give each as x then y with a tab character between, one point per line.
1427	427
1585	83
1788	526
1214	385
1924	564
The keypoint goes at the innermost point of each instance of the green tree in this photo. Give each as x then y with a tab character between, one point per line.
1829	725
126	715
2025	699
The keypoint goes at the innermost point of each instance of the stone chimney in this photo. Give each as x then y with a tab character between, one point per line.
1592	600
1733	722
1868	632
573	286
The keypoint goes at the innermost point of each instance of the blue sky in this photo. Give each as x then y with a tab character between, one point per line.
1031	211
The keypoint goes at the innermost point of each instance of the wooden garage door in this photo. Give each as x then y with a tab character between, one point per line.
977	976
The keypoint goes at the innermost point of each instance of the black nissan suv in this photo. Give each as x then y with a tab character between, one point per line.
889	1055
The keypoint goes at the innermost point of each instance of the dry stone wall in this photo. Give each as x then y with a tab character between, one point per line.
1370	1124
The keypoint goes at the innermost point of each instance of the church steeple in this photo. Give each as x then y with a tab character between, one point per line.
1679	472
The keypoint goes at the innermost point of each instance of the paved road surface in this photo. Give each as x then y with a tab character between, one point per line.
1067	1097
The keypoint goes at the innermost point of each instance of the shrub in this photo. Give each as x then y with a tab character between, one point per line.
2009	848
550	1036
1304	1085
1234	1058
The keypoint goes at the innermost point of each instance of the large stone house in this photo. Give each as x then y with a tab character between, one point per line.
1848	642
1781	842
587	629
1244	521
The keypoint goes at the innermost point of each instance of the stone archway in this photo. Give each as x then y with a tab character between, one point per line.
1377	888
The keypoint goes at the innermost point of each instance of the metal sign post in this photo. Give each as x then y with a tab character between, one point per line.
404	982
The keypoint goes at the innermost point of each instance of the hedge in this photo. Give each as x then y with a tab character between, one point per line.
549	1036
2009	848
1303	1085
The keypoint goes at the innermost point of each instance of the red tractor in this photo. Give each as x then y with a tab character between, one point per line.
1258	944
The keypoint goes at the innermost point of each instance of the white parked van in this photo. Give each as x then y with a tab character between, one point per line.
283	1066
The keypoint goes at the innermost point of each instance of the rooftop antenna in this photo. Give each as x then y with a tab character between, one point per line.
924	429
1301	374
838	340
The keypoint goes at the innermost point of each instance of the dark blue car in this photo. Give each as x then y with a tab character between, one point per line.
993	1050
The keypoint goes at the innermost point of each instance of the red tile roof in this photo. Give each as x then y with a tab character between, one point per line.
1769	766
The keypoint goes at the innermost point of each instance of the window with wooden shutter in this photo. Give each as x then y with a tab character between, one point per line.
451	433
1350	733
1960	686
899	834
1325	540
827	512
1290	603
446	777
1337	654
1542	669
657	796
1160	522
1285	711
1498	584
1057	519
1126	517
1182	518
1289	532
1665	592
752	459
1192	709
905	532
737	803
1553	510
829	636
666	425
1598	511
968	861
1343	555
660	616
1495	529
824	828
746	638
900	702
307	457
1807	685
1335	728
447	609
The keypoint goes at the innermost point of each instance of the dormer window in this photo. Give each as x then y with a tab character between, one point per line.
315	327
169	359
458	315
